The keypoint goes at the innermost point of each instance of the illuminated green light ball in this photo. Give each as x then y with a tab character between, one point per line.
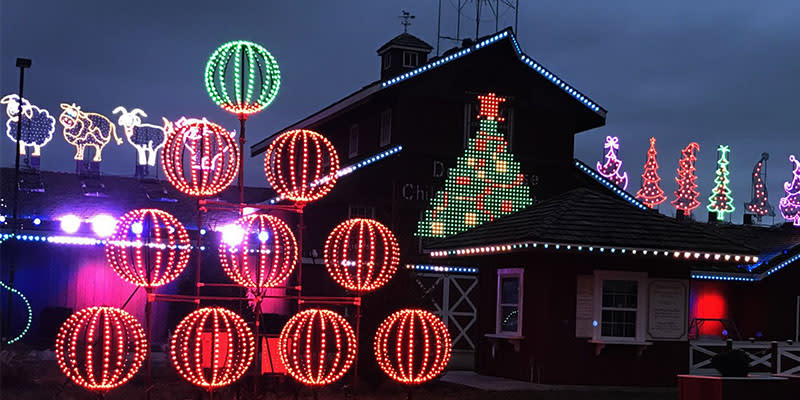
242	77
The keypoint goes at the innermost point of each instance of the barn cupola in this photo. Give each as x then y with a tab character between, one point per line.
402	54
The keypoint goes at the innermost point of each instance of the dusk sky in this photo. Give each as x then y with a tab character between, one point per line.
714	72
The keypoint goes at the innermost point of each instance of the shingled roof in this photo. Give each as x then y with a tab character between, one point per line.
597	217
406	40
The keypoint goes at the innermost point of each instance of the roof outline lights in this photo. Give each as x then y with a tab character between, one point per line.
533	64
614	188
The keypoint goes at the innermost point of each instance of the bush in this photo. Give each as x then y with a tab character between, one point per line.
733	363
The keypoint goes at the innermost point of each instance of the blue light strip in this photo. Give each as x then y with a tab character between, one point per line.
30	312
779	266
724	277
441	268
73	240
614	188
353	167
522	56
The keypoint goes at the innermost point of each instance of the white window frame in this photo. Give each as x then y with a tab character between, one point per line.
353	211
410	54
385	128
641	305
386	61
503	273
352	146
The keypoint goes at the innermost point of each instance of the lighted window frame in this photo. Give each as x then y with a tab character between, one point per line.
410	59
509	273
352	146
640	311
385	128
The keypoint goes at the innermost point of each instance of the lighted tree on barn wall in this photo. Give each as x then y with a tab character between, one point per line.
485	184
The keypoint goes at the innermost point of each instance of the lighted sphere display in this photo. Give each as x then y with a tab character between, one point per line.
199	158
412	346
301	165
317	347
242	77
100	348
258	251
148	248
361	254
212	347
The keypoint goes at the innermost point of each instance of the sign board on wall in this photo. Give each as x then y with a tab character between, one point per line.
667	310
584	306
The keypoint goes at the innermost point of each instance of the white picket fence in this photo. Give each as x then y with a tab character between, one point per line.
765	357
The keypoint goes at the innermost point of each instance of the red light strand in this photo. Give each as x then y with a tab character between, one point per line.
233	342
685	194
270	263
297	182
140	254
355	270
421	349
104	334
309	333
206	150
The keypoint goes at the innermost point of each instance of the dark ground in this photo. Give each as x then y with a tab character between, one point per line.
42	380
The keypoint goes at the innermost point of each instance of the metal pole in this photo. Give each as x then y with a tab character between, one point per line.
477	19
148	312
496	15
199	253
439	28
458	23
516	19
258	345
300	229
22	63
242	119
358	340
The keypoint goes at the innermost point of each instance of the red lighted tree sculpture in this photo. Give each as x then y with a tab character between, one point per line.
686	194
100	348
317	347
651	193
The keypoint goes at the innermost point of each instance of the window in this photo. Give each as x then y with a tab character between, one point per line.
352	149
386	60
410	59
360	211
386	127
620	299
509	302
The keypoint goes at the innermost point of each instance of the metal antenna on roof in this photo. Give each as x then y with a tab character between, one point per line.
406	20
498	9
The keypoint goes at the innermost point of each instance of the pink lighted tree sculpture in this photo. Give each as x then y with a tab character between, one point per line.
790	204
611	170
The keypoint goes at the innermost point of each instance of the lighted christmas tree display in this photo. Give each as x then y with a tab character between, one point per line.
790	204
485	184
759	205
721	199
686	194
612	167
650	193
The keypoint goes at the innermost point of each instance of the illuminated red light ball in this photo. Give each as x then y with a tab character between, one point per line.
361	254
412	346
317	347
301	165
199	158
258	251
148	248
100	348
212	347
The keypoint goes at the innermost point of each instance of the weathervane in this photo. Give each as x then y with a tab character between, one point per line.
406	20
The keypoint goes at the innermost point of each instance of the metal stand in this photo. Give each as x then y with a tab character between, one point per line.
148	316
